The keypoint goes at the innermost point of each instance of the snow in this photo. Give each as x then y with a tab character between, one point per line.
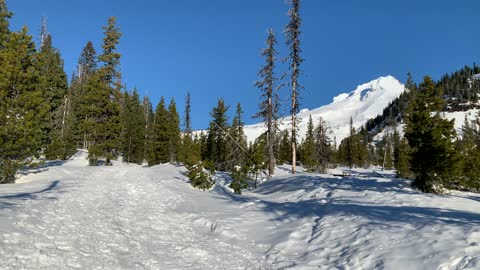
71	216
365	102
459	118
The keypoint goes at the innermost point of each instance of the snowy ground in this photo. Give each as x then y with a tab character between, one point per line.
70	216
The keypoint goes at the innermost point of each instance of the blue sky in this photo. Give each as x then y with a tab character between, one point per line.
211	48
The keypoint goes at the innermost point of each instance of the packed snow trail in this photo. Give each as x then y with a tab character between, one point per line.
72	216
117	217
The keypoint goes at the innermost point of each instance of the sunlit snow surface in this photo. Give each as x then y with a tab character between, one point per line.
71	216
365	102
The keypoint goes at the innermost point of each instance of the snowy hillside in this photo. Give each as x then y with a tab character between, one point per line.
366	101
71	216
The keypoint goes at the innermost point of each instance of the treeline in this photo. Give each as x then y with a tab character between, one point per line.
431	152
41	114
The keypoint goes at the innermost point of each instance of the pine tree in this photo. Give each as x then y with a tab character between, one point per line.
269	105
159	139
21	102
191	149
87	66
54	84
401	160
433	159
284	154
148	117
174	139
307	148
469	149
293	33
216	140
256	160
188	118
236	141
133	133
387	154
350	147
323	150
5	15
106	124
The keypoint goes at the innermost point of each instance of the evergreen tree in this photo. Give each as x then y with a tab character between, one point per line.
174	139
106	124
5	15
469	148
81	105
284	148
256	160
387	154
401	160
199	178
307	148
191	147
188	118
133	134
236	141
433	158
216	140
323	150
22	108
159	141
53	82
269	105
148	117
295	60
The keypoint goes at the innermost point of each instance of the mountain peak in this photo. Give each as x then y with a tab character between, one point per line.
365	102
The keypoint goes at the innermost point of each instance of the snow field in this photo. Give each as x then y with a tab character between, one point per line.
71	216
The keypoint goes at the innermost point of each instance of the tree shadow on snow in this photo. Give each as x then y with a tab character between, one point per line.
41	167
10	199
321	206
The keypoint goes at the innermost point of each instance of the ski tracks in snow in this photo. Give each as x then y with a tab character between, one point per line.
120	217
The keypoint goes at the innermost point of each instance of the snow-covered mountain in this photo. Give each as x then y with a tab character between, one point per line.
366	101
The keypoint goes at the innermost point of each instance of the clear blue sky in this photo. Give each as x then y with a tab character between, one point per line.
211	48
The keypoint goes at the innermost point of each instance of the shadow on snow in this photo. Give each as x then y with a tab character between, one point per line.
376	214
9	200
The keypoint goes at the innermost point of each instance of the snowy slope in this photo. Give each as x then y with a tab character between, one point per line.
71	216
366	101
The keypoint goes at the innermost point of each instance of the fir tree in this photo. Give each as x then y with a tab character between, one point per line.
256	160
105	120
307	148
148	117
133	134
216	140
269	105
87	66
295	60
53	82
191	149
433	159
22	108
173	126
469	148
159	141
5	15
236	141
284	154
188	118
323	150
401	160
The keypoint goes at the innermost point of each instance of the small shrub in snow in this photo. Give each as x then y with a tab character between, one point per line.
239	179
199	178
